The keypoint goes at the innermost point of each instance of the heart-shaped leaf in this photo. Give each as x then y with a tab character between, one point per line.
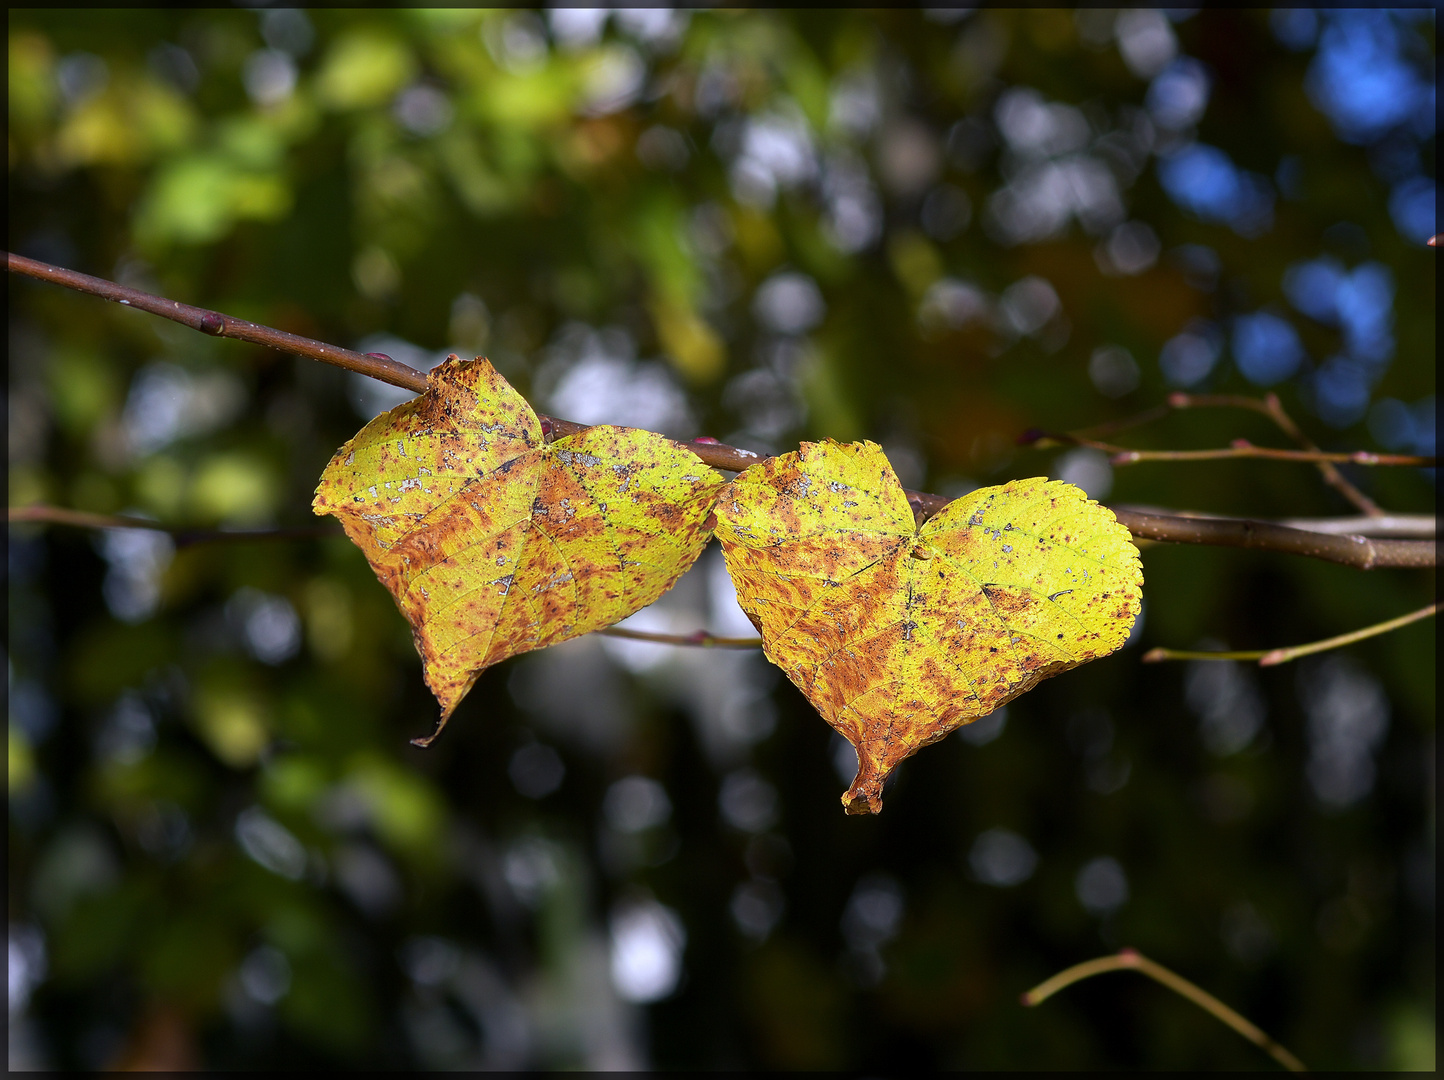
900	634
494	542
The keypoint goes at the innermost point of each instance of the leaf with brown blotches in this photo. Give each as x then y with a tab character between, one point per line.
900	634
494	542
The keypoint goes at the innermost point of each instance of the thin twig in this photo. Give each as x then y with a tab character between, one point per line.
1242	448
1271	657
1283	656
184	537
1157	656
1351	551
1108	427
1270	406
1133	960
1331	475
704	638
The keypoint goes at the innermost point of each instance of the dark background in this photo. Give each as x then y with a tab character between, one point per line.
934	231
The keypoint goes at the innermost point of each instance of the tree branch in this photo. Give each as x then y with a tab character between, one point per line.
1410	526
1356	551
377	365
1348	549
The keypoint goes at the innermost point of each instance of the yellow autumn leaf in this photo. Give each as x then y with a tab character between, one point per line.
494	542
900	634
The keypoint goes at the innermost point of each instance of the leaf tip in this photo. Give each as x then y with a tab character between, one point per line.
864	797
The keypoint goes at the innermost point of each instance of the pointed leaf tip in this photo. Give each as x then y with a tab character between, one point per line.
494	542
899	634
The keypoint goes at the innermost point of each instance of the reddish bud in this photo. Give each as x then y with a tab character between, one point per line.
212	324
546	426
380	356
1240	444
698	637
707	439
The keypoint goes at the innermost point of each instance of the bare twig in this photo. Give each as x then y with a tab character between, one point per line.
184	537
702	638
1271	657
1242	448
376	365
1157	656
1283	656
82	519
1269	405
1147	416
1351	551
1133	960
1331	475
1357	551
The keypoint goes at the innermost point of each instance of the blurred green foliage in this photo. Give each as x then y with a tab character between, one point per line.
799	222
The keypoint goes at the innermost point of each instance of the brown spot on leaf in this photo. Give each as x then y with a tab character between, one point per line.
539	545
838	595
